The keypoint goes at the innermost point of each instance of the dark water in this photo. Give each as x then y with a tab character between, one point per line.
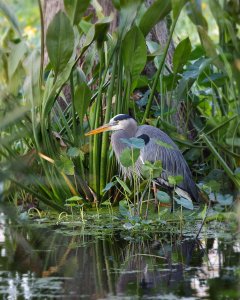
55	263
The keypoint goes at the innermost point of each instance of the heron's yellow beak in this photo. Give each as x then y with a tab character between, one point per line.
103	128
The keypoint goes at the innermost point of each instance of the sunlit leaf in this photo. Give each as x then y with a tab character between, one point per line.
74	198
175	180
10	16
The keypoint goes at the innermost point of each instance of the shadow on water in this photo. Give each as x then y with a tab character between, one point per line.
45	263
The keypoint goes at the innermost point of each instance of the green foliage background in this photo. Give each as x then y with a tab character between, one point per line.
44	153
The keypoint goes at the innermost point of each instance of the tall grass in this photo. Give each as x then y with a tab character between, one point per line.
42	145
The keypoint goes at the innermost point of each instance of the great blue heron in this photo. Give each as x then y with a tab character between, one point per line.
158	146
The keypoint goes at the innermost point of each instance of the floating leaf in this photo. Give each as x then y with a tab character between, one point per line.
184	202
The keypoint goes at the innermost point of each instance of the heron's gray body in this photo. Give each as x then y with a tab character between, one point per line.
173	162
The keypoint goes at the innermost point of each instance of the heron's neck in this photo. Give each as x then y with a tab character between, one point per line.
116	138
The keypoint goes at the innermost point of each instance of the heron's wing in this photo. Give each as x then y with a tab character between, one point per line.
161	147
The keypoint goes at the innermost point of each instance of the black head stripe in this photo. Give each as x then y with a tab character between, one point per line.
122	117
144	137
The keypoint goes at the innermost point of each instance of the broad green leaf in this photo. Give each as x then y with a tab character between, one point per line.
10	16
137	143
16	56
129	156
109	186
163	144
82	99
134	52
60	41
98	32
225	200
75	9
128	12
155	13
151	170
181	55
65	165
163	197
123	209
123	185
174	180
73	152
177	6
184	202
74	198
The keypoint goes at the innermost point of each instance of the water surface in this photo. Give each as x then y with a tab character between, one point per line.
63	262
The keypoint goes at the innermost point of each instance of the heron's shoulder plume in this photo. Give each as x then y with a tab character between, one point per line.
121	117
144	137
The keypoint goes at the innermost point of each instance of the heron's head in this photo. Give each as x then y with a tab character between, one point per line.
119	122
